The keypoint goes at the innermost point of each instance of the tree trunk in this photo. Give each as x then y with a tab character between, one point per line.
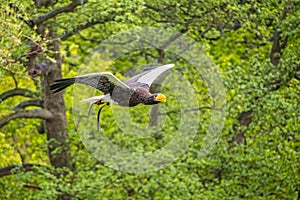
56	127
58	147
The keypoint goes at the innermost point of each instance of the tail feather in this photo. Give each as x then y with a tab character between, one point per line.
61	84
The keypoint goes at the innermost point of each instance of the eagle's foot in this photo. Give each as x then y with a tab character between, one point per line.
100	102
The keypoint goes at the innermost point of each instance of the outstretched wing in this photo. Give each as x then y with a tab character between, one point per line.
103	81
149	76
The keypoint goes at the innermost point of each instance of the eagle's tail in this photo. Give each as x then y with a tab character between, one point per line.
61	84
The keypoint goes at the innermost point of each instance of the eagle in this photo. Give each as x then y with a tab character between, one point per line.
136	90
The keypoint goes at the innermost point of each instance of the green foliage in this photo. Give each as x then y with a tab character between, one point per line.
237	35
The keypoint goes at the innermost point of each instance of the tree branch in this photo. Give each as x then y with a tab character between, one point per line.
157	9
17	92
33	102
279	43
33	187
297	76
25	166
38	113
187	110
66	35
105	40
172	39
68	8
21	16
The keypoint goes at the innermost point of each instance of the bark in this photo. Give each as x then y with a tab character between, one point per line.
244	119
56	127
278	46
86	25
54	112
17	92
58	147
39	113
25	166
279	42
50	15
31	102
154	115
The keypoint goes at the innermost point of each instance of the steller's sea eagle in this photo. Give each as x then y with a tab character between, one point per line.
136	90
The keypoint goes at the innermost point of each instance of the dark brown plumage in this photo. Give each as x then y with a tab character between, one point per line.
134	91
130	93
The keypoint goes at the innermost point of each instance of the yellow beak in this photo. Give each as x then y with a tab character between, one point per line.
161	98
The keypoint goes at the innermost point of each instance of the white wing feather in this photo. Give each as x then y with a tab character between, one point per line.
150	77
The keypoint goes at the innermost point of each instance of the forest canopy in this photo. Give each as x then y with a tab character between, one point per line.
230	128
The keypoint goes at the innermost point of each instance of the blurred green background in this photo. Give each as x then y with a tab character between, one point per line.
252	45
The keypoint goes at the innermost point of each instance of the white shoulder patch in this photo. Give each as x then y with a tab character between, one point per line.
152	75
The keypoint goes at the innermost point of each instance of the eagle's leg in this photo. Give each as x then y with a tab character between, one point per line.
98	115
98	102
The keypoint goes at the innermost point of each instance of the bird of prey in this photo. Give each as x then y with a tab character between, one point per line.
134	91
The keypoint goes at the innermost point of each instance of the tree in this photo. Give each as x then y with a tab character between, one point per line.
43	58
254	43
